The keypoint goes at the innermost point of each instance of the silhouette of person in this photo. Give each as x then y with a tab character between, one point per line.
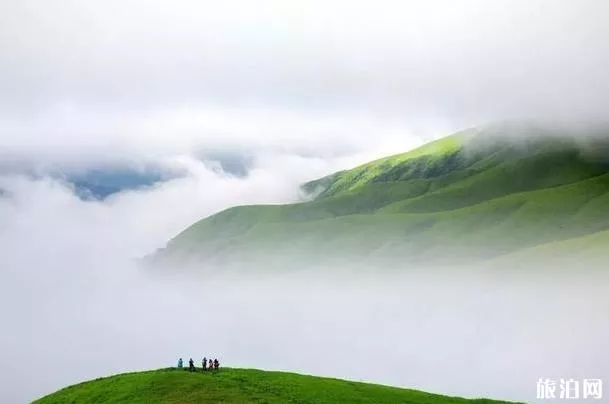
180	364
216	364
191	365
204	364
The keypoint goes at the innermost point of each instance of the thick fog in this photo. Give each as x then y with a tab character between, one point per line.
125	77
299	90
75	305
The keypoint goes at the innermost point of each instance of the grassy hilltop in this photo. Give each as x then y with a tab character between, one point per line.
238	386
472	196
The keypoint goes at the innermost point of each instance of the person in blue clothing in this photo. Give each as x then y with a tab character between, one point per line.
180	363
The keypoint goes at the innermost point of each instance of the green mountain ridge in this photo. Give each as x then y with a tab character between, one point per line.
239	386
475	195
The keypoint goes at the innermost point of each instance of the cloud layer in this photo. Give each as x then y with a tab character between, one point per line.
133	76
76	306
298	90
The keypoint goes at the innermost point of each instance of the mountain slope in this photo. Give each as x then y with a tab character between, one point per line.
238	386
474	195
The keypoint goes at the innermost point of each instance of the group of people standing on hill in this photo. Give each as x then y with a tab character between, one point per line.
206	364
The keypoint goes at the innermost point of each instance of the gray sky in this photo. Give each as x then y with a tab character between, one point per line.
149	76
304	89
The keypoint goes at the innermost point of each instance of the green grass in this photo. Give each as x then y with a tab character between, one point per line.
238	386
472	191
399	166
569	253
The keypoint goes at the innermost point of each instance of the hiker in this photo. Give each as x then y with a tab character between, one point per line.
191	365
216	364
180	364
204	364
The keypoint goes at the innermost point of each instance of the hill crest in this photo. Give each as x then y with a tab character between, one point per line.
471	196
237	386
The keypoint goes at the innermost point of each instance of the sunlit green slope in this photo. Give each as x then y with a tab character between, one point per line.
474	195
238	386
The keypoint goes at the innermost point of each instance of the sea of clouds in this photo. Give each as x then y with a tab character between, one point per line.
298	90
76	305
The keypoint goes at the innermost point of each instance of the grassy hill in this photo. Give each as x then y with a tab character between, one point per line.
238	386
472	196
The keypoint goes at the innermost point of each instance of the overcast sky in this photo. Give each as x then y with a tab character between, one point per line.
301	89
141	76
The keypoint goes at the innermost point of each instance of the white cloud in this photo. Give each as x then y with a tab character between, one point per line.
118	76
76	307
305	88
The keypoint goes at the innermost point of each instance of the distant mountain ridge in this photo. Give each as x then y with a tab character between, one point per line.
471	196
99	180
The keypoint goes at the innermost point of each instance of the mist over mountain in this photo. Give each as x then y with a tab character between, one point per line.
316	286
302	175
101	179
475	195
